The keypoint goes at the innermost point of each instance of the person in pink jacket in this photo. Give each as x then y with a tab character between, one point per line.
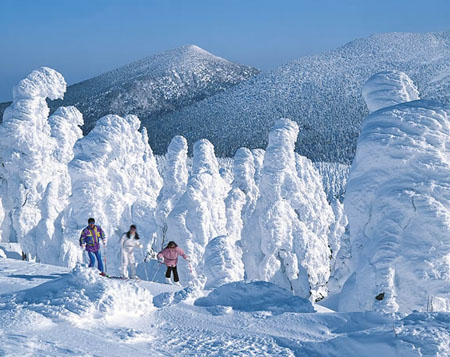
170	255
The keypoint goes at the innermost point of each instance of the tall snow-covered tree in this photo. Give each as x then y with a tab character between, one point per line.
175	175
397	201
26	155
115	180
279	245
199	215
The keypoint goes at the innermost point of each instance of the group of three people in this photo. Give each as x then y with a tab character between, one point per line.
90	241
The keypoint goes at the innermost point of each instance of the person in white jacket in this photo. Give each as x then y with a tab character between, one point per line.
128	242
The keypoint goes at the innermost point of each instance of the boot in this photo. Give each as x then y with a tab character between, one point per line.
177	283
168	281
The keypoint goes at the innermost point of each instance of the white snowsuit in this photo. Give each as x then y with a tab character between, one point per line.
128	245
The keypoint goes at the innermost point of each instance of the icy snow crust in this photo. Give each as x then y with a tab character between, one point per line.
397	202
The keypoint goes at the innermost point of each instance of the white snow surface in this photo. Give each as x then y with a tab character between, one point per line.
49	311
397	202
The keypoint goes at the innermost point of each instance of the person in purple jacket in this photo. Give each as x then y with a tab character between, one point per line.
90	241
170	255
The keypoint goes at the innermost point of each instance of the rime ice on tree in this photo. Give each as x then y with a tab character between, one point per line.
397	201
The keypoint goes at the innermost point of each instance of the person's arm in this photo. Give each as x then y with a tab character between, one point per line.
83	238
181	252
160	255
122	240
102	235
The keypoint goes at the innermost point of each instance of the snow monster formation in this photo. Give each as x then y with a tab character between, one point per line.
116	181
278	244
175	182
223	254
199	215
65	125
27	156
398	202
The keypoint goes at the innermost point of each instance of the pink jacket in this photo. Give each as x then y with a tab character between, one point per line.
170	256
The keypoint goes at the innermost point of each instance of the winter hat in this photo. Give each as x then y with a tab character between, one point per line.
91	220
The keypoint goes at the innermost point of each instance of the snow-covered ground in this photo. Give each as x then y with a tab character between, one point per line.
49	311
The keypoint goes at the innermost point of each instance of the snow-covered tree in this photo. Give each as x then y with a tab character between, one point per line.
199	215
398	201
175	180
115	180
258	160
26	155
279	245
65	129
223	257
339	242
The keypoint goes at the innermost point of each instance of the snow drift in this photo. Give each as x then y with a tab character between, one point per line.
83	296
397	202
255	296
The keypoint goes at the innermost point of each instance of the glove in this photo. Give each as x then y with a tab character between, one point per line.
104	242
160	259
83	246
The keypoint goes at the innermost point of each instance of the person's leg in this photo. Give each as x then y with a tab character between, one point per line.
169	269
91	259
132	264
124	267
98	255
175	274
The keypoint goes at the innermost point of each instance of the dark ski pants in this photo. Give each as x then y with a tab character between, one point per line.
92	256
175	273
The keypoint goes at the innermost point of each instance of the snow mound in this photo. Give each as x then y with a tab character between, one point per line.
398	207
82	296
189	293
388	88
255	296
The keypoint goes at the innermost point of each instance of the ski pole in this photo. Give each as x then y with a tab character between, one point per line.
145	267
104	258
157	270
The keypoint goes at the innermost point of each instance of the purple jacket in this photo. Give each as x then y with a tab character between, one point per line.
91	237
170	256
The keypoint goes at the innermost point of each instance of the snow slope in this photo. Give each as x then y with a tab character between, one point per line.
322	93
92	316
397	202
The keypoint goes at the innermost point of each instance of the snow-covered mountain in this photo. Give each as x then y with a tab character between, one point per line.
153	86
322	93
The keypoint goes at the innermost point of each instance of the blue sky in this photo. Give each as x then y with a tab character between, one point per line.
83	38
